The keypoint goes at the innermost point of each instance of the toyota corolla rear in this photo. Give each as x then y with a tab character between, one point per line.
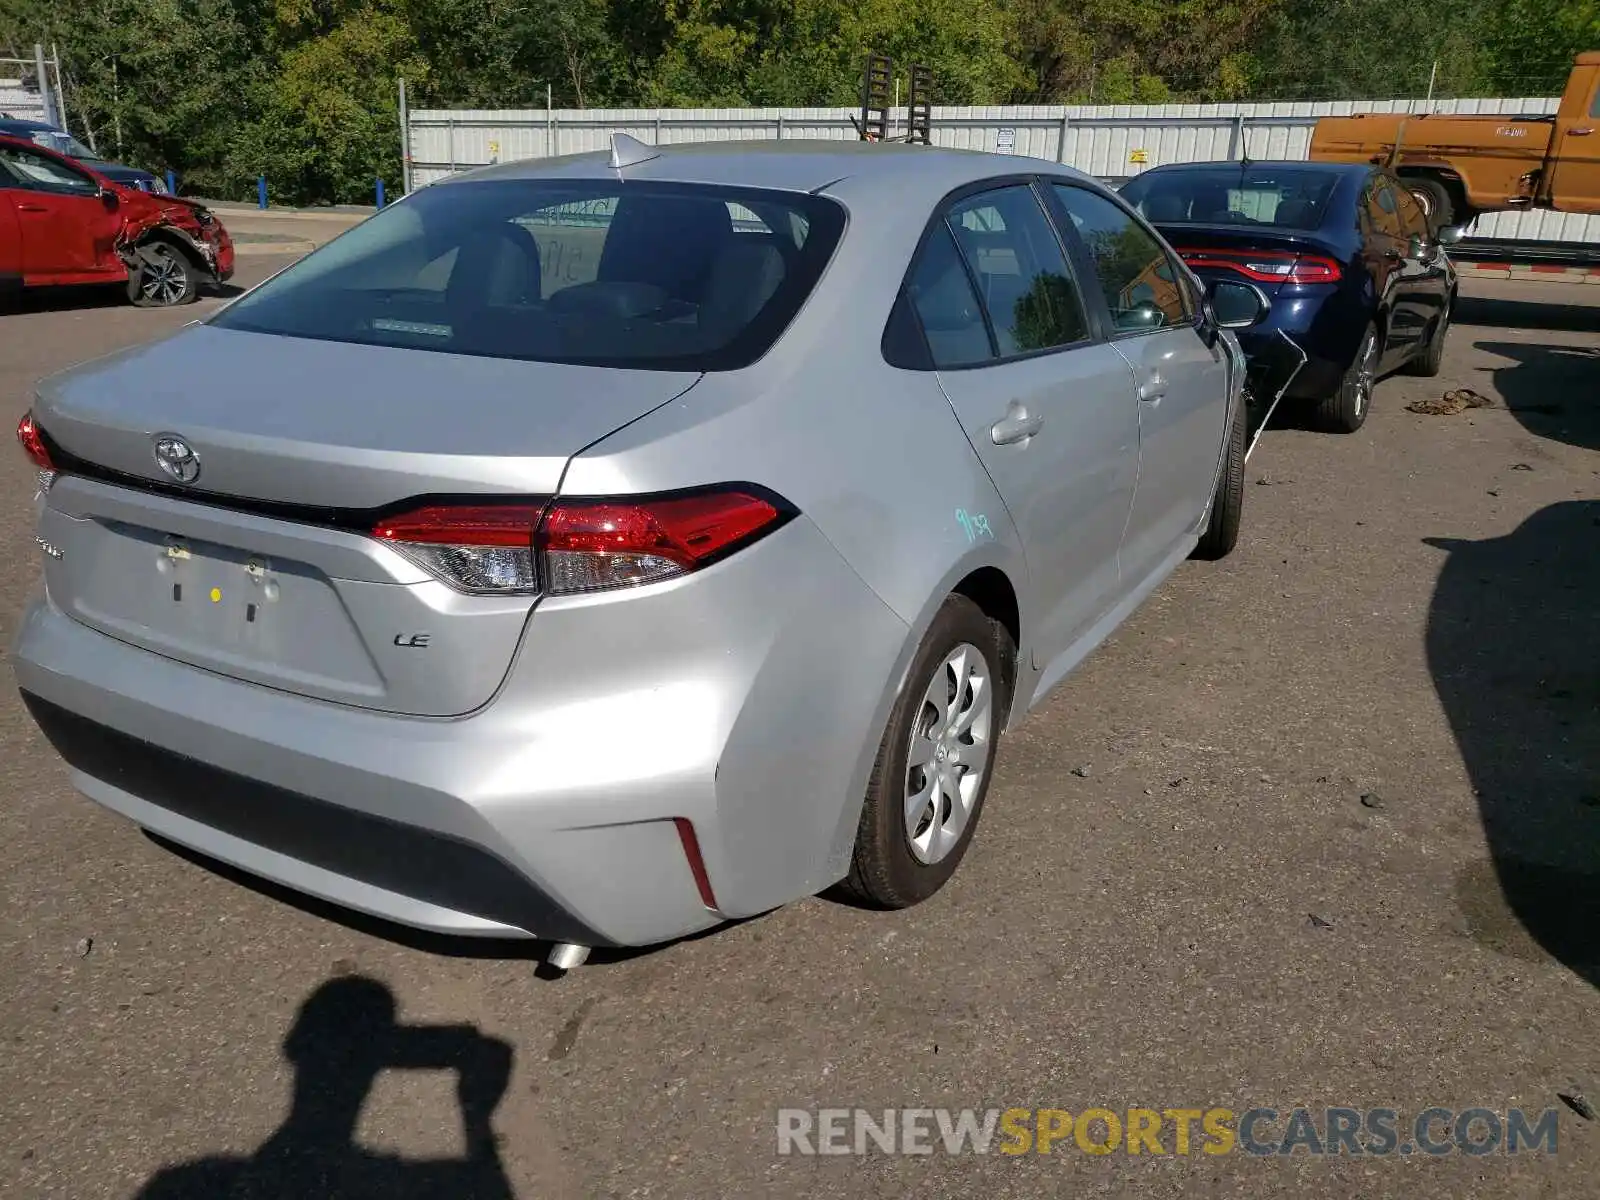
316	604
1287	229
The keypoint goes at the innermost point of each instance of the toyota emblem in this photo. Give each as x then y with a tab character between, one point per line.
177	458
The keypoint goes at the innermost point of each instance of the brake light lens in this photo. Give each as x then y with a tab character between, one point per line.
1266	266
32	443
595	545
571	547
482	549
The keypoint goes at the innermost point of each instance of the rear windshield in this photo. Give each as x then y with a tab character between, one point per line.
1283	198
641	275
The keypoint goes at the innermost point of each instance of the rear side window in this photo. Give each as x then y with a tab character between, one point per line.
1380	208
941	295
1412	220
1021	272
1143	286
653	276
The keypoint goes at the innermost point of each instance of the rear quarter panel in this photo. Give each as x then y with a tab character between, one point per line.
872	455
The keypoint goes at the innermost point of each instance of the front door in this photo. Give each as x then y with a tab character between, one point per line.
1047	406
1575	148
67	232
1181	381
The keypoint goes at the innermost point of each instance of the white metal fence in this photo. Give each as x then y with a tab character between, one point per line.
1112	142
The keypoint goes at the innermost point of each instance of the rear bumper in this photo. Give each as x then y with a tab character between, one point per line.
746	700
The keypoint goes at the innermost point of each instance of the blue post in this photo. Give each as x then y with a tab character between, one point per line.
261	190
380	192
172	183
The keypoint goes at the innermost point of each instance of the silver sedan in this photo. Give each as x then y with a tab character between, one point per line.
600	548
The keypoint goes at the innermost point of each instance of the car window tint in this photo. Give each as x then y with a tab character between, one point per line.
1022	275
46	174
941	295
1139	279
1286	197
645	275
1380	208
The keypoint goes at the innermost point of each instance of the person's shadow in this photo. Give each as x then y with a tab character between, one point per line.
1513	643
344	1035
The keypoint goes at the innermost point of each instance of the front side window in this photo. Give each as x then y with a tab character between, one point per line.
39	172
1143	286
1022	275
641	275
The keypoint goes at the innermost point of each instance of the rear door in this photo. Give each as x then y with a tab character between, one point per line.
1425	277
1047	405
1182	383
1384	250
67	232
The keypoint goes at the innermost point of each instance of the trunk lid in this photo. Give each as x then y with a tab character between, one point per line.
260	567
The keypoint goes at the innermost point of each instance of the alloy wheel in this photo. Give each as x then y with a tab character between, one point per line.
951	744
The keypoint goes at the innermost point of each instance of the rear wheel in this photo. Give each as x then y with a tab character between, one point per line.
1345	411
933	766
1227	506
165	277
1430	358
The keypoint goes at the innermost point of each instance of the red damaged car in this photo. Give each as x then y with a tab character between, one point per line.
63	223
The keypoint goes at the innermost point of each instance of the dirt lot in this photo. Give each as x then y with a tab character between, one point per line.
1209	915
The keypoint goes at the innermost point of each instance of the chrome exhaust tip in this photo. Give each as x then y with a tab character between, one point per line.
565	956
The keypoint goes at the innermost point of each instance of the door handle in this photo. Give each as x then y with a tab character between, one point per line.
1153	388
32	208
1584	132
1016	426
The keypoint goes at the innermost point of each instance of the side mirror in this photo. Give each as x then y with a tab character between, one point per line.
109	198
1231	305
1450	235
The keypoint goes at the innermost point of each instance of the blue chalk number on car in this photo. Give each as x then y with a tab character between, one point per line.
975	525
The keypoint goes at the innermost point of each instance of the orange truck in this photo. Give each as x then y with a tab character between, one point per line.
1460	166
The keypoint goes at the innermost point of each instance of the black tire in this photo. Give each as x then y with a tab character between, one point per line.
885	872
1430	359
1345	410
1438	205
1227	506
166	278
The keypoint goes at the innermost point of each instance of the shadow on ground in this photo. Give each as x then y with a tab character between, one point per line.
70	299
1513	643
1532	314
1553	390
344	1036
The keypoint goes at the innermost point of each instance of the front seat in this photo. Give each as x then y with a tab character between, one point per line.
745	276
496	267
670	242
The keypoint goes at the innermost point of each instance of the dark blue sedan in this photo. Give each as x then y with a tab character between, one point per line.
1343	254
52	138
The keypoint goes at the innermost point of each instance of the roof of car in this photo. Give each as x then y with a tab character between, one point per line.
788	164
24	123
1299	164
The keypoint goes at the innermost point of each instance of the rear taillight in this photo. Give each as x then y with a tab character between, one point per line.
576	546
474	548
1266	266
593	545
33	444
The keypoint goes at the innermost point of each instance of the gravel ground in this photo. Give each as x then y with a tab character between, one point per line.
1210	915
